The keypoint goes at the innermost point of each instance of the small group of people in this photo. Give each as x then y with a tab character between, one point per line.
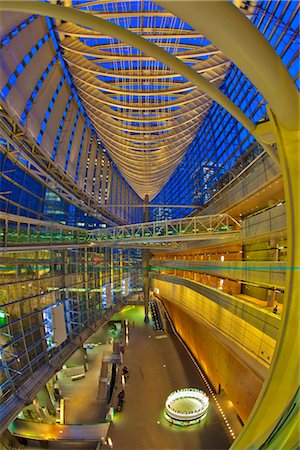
121	395
121	399
125	374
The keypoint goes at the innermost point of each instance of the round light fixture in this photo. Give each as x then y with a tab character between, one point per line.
186	406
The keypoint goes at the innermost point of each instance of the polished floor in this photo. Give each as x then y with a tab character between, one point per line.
158	364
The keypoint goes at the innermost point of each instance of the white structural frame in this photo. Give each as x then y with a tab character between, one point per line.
205	227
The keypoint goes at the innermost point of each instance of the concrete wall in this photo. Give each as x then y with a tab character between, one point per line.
268	273
251	327
232	340
263	172
221	365
270	221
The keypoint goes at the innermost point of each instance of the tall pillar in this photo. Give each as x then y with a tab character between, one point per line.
145	264
65	270
271	298
278	395
274	252
86	285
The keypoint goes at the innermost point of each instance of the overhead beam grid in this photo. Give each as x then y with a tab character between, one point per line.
25	153
145	113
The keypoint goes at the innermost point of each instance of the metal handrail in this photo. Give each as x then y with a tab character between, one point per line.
187	226
20	230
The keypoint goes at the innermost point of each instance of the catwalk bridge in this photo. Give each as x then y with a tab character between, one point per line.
25	233
169	231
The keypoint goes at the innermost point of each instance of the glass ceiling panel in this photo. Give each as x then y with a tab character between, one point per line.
134	101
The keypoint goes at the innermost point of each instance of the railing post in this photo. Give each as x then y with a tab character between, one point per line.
5	232
18	230
145	262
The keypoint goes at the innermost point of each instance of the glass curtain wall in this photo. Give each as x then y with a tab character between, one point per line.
34	283
222	142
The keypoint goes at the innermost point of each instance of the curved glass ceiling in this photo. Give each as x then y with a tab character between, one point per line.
145	114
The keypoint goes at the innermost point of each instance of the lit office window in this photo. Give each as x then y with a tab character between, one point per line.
221	140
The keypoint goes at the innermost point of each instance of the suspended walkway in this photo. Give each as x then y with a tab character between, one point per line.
217	226
21	233
18	233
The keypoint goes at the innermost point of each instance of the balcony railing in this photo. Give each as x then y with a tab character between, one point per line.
17	231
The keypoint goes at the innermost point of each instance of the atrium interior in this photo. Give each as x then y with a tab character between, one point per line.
150	253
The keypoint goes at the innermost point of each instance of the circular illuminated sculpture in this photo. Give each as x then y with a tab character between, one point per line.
186	406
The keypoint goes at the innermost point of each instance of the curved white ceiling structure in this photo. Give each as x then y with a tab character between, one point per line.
145	114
